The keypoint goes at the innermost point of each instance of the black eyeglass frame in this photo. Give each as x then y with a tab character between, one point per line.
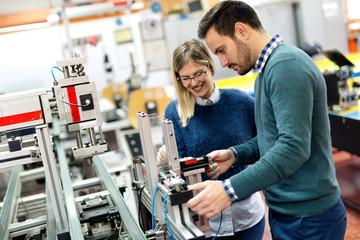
198	74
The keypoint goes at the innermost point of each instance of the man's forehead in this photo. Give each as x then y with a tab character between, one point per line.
213	40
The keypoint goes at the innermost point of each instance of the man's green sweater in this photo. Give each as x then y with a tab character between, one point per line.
292	156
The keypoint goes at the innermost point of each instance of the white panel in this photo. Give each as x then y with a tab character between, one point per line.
82	90
74	81
22	125
22	95
96	103
19	106
70	61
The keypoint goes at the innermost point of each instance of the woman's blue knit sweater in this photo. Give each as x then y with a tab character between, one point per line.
226	123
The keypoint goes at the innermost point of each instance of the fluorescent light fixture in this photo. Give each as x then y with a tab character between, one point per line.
99	9
137	6
24	27
53	18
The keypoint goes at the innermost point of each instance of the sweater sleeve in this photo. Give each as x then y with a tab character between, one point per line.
290	89
248	153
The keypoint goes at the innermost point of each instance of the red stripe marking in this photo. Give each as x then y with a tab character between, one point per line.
144	173
190	162
75	113
122	3
21	118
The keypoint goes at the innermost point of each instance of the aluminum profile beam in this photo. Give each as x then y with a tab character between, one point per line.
72	211
8	211
130	223
52	177
151	177
171	147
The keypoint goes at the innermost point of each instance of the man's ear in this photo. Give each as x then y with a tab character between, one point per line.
241	30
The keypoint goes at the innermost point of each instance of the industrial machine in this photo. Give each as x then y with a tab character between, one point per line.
24	114
343	90
30	134
342	94
164	189
78	105
45	133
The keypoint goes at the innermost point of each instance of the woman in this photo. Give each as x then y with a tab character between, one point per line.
206	118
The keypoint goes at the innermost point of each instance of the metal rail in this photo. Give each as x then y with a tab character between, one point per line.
10	203
130	223
74	222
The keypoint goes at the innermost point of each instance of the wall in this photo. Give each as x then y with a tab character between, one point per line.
181	30
323	21
272	17
27	57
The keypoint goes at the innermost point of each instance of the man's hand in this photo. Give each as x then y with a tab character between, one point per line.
222	160
212	200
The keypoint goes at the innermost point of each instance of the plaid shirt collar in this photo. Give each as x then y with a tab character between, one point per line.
265	53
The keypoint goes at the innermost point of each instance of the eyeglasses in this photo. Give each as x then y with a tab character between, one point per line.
196	76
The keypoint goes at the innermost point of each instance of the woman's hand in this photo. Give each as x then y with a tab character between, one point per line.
222	161
161	156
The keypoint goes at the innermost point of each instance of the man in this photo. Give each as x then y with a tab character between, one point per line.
291	155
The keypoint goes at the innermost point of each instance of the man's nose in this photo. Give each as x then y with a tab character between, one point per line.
223	61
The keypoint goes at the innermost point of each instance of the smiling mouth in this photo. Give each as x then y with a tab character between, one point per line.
198	87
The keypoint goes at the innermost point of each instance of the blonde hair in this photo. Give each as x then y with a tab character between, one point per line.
193	50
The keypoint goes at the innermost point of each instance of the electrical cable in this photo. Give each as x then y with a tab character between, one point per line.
111	235
213	167
87	101
152	208
167	220
221	212
52	72
140	207
165	212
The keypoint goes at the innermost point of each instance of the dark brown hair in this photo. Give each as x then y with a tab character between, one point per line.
225	14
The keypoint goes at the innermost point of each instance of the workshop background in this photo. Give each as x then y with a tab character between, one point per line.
127	47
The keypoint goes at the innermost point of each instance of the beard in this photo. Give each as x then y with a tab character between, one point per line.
244	56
